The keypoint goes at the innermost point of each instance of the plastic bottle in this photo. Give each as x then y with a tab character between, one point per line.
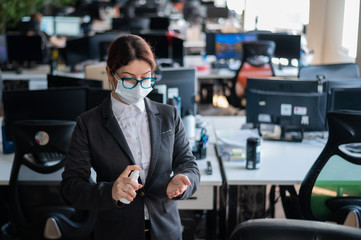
134	175
189	122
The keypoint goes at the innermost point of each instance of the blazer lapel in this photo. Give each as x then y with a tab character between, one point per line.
155	123
111	124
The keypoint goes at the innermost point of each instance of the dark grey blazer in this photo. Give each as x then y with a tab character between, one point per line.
98	142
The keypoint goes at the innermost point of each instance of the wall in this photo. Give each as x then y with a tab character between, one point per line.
324	32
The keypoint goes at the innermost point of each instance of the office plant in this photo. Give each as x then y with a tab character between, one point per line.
11	11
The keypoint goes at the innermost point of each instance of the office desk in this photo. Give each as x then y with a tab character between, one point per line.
281	163
201	200
284	163
206	197
6	162
36	76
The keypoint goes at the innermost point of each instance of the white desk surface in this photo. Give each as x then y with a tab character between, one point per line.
215	179
6	162
281	162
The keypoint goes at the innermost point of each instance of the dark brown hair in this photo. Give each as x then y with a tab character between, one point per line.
127	48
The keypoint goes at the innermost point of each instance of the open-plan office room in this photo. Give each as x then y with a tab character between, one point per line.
268	93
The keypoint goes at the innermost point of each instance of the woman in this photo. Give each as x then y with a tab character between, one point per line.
130	132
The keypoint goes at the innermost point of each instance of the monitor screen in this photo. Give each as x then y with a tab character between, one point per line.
287	46
49	104
96	96
21	48
68	26
76	51
185	80
145	11
210	43
337	83
3	50
229	45
159	43
296	104
178	50
159	23
217	12
165	47
121	23
345	98
47	25
98	44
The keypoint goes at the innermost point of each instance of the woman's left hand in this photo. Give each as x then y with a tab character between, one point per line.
177	186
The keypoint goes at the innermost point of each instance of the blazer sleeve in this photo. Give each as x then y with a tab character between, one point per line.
183	159
76	187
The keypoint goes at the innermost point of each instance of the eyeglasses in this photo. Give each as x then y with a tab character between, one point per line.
130	83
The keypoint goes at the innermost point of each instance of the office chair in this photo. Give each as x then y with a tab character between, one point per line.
331	189
286	229
256	62
37	209
326	71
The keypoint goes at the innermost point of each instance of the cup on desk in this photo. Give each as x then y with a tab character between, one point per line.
253	153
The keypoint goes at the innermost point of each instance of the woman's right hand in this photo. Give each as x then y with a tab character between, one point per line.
124	186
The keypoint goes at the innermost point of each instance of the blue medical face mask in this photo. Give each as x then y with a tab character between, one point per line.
131	95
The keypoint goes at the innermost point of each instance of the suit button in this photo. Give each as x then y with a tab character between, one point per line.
141	193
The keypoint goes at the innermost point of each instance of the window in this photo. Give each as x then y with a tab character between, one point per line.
276	15
350	27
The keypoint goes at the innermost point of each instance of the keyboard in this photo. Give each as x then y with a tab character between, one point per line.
44	157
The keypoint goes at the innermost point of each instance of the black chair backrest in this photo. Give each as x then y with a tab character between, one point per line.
35	186
344	132
285	229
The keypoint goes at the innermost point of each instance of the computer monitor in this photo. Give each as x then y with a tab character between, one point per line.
68	26
210	43
76	51
229	45
88	47
165	47
217	12
339	83
98	41
3	50
159	23
178	50
159	43
299	105
96	96
345	98
65	81
121	23
185	80
49	104
22	48
48	25
287	45
145	11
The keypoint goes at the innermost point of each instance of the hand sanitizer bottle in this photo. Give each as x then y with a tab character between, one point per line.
134	175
